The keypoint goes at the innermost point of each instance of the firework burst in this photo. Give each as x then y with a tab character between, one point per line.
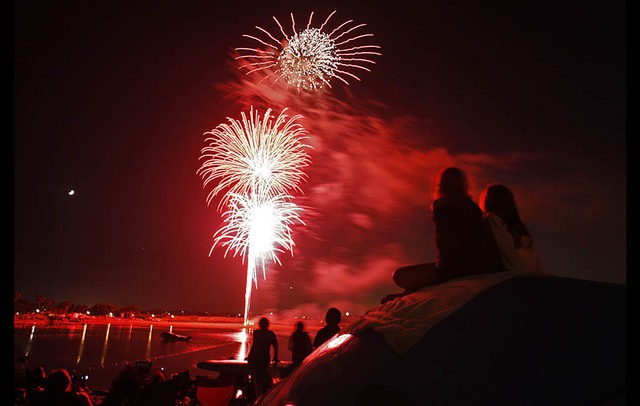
255	155
258	161
257	227
311	57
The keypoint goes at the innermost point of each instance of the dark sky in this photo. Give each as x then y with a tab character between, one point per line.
112	100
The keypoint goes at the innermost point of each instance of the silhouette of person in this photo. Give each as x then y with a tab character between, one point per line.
58	391
259	355
162	391
515	243
36	379
79	382
125	387
332	318
299	345
464	246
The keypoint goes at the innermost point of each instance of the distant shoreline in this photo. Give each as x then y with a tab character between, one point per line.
177	321
100	320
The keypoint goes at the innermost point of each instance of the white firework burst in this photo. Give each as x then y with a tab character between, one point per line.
258	161
257	227
310	58
256	155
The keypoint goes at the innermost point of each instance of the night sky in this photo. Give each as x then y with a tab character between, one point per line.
112	100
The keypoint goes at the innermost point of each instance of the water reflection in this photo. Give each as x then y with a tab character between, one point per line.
102	349
127	346
148	353
81	348
106	344
242	338
30	342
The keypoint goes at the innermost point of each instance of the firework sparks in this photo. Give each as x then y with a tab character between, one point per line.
257	227
258	224
256	155
258	161
310	58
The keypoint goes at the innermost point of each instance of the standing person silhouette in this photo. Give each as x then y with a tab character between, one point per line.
299	345
464	246
332	318
259	355
515	243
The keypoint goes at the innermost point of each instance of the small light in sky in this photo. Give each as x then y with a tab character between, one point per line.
72	192
290	287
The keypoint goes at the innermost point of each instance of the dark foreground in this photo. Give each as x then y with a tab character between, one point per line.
530	340
526	340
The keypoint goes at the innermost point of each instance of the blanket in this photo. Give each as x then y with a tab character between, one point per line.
405	320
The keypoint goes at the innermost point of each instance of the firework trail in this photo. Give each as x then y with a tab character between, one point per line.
310	58
259	160
257	227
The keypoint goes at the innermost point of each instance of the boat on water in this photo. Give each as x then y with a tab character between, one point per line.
171	336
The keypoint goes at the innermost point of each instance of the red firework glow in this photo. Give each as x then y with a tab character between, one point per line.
258	160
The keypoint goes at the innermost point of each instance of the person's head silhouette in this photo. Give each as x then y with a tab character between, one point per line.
498	199
58	381
264	323
333	316
452	182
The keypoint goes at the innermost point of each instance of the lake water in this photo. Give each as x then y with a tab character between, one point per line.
102	350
